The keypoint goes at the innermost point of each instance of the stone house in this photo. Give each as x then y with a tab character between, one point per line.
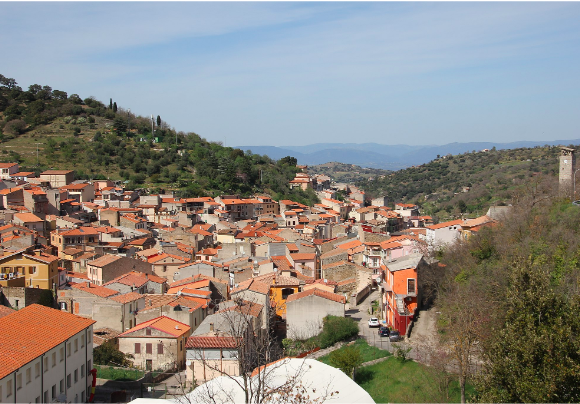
108	267
106	306
156	344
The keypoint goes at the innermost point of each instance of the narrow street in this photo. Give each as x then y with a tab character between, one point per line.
421	341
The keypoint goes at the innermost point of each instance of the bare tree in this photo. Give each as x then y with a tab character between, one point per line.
258	354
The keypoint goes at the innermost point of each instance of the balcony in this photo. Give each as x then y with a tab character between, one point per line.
12	279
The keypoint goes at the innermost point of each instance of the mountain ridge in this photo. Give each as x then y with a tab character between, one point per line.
388	157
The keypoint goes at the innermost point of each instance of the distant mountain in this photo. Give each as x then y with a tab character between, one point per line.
387	157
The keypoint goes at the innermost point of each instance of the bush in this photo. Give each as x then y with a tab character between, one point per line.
15	127
336	329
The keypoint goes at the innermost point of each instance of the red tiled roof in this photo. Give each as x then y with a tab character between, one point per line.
445	224
104	260
33	330
253	285
212	342
317	292
163	324
127	297
95	290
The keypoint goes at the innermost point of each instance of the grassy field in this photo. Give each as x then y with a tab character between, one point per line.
394	381
368	352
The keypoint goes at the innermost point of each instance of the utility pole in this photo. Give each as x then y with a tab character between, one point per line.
37	153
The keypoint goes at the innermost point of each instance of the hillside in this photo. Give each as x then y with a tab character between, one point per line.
42	128
388	156
467	183
348	173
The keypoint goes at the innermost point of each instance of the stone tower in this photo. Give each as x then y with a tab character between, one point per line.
567	167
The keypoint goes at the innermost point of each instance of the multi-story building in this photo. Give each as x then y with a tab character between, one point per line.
31	269
45	355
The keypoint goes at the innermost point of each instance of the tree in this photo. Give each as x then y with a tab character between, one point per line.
535	357
346	359
108	354
258	356
110	103
158	121
115	107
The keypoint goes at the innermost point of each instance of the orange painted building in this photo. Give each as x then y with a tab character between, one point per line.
400	291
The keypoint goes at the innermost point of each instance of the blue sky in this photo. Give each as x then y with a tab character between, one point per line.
285	73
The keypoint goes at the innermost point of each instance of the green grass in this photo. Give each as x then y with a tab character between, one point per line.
111	373
367	351
393	381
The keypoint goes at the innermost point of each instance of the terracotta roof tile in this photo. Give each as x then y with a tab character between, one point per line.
212	342
317	292
127	297
95	290
163	324
33	330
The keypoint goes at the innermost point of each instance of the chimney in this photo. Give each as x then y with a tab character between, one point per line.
211	326
88	284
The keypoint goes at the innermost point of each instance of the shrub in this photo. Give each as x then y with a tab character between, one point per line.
15	127
336	329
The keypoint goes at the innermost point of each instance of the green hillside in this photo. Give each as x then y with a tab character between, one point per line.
42	128
468	183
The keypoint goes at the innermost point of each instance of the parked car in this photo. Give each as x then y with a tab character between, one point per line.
384	331
374	322
394	336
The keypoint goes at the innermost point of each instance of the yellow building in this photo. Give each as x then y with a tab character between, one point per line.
30	269
281	286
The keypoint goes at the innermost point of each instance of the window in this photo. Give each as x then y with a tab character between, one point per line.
88	366
46	396
181	345
89	337
68	381
45	364
76	373
61	386
53	391
61	354
76	344
37	369
19	381
82	371
148	331
159	349
148	348
28	375
37	400
9	389
82	341
53	359
410	286
68	350
82	396
137	347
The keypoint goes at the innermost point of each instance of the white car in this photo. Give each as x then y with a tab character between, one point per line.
373	322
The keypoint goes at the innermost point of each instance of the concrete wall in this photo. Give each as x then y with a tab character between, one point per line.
304	316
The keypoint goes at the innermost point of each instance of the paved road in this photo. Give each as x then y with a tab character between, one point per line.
421	340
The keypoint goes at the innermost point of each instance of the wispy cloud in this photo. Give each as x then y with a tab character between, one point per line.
304	69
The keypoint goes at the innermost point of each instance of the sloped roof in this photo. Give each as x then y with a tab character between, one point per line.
212	342
95	290
33	330
127	297
163	324
319	293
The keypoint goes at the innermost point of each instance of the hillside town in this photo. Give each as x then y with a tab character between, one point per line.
126	266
